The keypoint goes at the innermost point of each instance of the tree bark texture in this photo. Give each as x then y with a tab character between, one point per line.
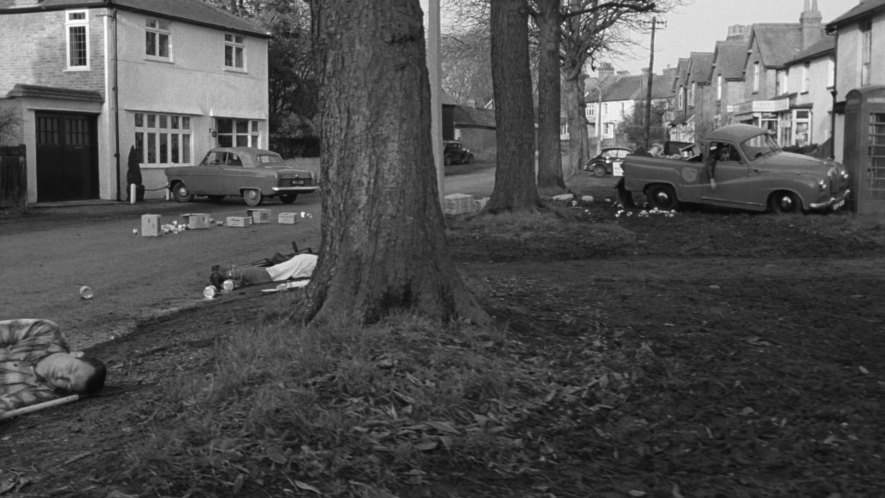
383	245
515	179
548	20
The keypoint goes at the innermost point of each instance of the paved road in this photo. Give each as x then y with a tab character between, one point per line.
47	256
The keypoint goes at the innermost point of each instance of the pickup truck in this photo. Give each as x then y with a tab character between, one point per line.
737	166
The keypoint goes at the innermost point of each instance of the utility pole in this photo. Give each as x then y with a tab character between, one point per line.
651	77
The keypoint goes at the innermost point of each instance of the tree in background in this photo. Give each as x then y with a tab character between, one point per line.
383	245
634	127
466	65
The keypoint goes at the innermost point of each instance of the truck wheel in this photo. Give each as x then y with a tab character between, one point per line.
180	192
662	197
599	170
784	203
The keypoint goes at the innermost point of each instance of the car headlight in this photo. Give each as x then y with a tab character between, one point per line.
822	185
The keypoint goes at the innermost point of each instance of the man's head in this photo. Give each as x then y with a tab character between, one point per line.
68	373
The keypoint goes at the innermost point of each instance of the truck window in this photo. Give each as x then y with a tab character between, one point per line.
760	146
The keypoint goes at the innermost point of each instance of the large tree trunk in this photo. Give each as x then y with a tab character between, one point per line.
383	241
515	181
548	19
579	143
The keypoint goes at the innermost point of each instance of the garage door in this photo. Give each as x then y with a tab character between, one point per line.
67	165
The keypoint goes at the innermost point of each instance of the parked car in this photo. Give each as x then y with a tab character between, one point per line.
456	153
253	174
603	164
738	166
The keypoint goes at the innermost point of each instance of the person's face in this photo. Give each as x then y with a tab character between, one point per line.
63	371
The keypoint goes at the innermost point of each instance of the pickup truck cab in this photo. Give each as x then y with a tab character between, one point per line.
738	166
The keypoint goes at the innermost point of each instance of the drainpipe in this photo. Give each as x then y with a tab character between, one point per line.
115	89
835	93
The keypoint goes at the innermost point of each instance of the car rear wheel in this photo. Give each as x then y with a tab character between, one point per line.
181	193
599	170
662	197
252	197
288	198
784	203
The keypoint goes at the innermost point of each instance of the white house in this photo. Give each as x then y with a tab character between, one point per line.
89	80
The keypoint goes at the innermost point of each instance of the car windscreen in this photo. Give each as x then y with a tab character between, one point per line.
269	159
760	146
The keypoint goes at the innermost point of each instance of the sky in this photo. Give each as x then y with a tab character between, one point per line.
699	24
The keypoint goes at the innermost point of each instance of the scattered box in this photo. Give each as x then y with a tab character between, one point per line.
259	215
458	204
150	225
195	221
238	221
287	218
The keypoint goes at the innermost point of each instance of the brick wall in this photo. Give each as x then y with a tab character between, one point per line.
33	51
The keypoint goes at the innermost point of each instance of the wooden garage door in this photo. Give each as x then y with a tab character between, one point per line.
67	165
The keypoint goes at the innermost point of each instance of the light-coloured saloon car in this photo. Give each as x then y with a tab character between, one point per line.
253	174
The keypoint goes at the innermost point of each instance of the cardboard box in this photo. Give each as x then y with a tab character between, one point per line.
238	221
287	218
194	221
259	215
150	225
458	204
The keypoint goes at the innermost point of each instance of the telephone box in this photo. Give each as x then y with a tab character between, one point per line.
864	152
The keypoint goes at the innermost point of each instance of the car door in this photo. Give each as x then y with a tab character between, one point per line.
206	178
236	176
731	175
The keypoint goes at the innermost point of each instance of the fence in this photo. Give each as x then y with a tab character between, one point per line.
13	178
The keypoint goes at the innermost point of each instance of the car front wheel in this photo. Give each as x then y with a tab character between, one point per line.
181	193
662	197
252	197
785	203
288	198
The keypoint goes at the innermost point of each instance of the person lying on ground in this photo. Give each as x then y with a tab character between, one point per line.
296	267
36	365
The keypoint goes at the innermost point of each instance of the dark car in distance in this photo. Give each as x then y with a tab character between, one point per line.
456	153
603	164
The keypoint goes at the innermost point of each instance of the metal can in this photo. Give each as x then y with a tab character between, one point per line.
209	291
86	292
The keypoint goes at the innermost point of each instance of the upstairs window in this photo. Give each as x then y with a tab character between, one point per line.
718	87
866	55
77	33
156	38
234	52
756	76
804	74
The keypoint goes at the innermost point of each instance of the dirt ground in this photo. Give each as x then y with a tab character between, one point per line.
751	354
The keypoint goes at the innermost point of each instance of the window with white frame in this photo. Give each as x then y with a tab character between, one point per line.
234	52
756	76
691	90
804	76
831	72
157	39
783	82
866	56
77	34
237	133
680	98
719	87
163	139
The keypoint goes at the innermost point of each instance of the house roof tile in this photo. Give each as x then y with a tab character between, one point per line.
822	47
863	9
729	59
777	43
701	68
193	11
